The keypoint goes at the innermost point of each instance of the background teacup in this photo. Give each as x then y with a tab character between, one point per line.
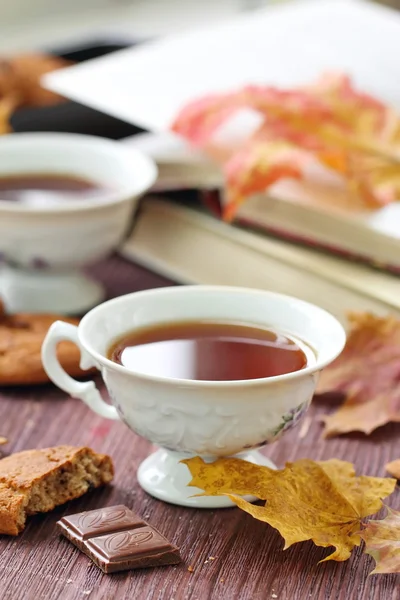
186	417
43	247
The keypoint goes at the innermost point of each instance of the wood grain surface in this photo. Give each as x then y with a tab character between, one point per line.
249	563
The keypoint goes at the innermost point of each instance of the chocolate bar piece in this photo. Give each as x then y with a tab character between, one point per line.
116	539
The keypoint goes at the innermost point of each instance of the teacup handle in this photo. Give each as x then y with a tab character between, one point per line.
85	391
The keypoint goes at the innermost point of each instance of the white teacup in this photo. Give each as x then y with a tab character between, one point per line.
185	417
44	246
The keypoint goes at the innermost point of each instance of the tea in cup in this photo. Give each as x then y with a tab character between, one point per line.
199	370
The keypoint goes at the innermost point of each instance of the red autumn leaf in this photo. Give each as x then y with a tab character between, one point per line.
360	111
257	167
367	373
199	120
382	542
347	131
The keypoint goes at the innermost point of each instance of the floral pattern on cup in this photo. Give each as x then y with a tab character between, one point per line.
291	418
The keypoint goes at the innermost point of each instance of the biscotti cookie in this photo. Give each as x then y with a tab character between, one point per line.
36	481
21	338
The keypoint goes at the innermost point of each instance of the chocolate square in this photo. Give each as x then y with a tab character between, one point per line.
116	539
128	544
103	520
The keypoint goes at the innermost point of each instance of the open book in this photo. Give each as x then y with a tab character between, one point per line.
314	211
285	46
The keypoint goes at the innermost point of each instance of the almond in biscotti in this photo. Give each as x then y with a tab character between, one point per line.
36	481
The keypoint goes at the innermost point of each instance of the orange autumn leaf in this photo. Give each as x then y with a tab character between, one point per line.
382	542
346	130
319	501
258	167
373	178
393	468
367	373
201	118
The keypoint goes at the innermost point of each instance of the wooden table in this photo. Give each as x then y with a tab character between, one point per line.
248	564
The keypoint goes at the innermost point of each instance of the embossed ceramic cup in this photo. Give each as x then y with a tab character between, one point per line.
45	245
185	417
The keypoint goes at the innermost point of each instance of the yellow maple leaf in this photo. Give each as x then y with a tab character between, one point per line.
357	489
319	501
382	540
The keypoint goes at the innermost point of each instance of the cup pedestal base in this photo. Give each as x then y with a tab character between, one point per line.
163	476
68	293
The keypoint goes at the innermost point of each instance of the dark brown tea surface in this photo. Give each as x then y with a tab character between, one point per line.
208	351
42	189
